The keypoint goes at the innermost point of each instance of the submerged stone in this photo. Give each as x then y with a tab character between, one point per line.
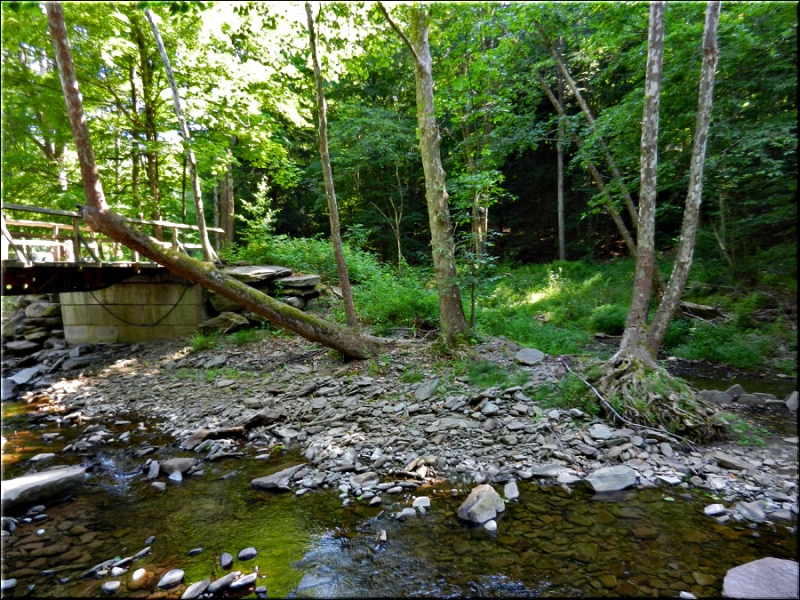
248	553
223	583
196	589
171	579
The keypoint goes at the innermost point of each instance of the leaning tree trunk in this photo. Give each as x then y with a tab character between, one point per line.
691	214
598	178
452	320
647	393
208	252
98	215
327	175
634	340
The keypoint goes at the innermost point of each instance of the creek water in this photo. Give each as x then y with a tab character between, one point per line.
549	542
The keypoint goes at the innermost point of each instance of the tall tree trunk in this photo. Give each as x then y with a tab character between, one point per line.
208	252
596	176
327	174
451	311
634	339
149	98
562	252
227	205
100	218
691	214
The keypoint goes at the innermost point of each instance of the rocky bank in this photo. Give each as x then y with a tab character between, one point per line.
373	428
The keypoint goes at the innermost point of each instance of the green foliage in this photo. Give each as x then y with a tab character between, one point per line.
744	433
200	341
307	255
725	343
609	318
488	374
393	301
412	377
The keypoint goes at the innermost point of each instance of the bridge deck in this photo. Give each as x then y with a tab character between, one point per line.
55	277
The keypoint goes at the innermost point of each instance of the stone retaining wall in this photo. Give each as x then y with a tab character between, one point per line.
133	311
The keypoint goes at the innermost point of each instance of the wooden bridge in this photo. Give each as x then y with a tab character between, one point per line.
64	255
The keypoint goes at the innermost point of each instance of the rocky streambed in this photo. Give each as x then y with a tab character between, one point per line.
381	435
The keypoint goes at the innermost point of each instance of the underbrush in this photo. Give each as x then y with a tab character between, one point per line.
555	307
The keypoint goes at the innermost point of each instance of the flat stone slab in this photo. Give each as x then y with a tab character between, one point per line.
277	482
41	486
299	280
611	479
764	578
257	273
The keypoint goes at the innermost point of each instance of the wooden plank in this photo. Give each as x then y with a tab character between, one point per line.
66	213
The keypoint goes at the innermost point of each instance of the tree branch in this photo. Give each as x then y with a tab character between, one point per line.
394	26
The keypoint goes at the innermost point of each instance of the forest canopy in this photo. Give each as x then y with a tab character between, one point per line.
245	79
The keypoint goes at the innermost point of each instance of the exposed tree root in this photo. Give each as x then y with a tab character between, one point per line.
639	393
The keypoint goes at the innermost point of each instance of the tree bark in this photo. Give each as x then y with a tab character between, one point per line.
598	178
327	175
562	251
634	339
590	119
694	197
99	217
208	252
452	320
150	128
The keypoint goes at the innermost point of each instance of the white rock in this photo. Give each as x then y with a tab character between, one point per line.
490	525
712	510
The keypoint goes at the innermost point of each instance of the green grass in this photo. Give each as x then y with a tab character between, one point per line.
743	432
555	307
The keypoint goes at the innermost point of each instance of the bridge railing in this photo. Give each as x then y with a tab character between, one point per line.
65	239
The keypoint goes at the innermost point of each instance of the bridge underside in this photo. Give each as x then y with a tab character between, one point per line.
53	278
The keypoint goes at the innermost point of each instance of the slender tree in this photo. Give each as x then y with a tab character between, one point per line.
327	175
452	320
100	218
629	372
208	252
694	197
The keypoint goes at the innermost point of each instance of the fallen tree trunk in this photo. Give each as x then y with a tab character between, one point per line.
279	314
100	218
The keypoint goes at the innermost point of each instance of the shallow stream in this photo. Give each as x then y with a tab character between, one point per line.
550	542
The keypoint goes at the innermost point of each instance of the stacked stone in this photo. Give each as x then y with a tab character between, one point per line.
35	324
295	289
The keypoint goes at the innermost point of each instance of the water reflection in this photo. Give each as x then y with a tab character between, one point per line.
550	542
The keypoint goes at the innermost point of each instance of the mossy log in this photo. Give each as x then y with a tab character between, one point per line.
350	343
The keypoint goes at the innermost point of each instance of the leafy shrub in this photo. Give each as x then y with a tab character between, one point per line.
388	301
308	255
609	318
726	344
200	342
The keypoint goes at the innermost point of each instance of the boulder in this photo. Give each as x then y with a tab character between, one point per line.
226	322
764	578
791	402
529	357
42	486
483	504
277	482
611	479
